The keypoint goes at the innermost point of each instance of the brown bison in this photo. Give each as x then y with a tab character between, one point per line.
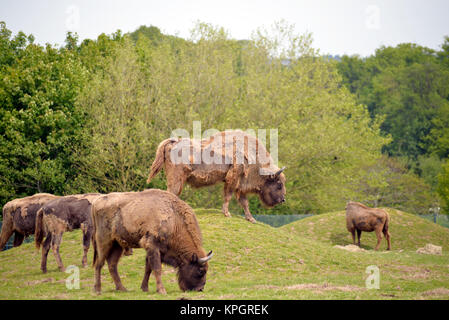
19	217
58	216
361	218
233	157
160	223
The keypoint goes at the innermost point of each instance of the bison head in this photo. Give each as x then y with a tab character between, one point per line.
273	190
192	275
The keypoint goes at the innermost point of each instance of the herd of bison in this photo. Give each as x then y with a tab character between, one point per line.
158	221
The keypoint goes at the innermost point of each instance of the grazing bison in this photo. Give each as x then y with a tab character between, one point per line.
233	157
361	218
19	217
58	216
160	223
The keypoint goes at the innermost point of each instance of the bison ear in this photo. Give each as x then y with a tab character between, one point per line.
194	258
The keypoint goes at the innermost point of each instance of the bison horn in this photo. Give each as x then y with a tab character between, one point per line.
205	259
279	172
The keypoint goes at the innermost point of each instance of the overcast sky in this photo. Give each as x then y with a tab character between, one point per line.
338	26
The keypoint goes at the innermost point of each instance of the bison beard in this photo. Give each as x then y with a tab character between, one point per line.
160	223
241	177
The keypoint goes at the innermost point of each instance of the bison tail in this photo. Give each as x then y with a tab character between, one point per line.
158	162
385	229
39	229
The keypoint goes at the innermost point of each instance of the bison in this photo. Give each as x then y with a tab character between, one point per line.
19	216
160	223
233	157
64	214
361	218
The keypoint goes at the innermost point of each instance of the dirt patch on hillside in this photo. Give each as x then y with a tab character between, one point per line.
318	288
430	249
350	247
436	292
35	282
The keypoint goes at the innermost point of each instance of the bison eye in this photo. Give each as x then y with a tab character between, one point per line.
279	186
200	273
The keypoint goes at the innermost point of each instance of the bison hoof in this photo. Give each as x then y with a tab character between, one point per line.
121	289
144	289
227	214
162	291
44	270
251	219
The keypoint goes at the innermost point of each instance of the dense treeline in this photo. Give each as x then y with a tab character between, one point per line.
408	85
88	116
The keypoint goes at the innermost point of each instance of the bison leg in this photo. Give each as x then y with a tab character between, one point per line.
387	236
45	249
55	244
99	263
87	234
244	203
227	198
7	231
154	257
18	239
113	257
379	238
353	236
359	236
146	277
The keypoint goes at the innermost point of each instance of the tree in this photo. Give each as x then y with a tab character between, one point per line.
39	123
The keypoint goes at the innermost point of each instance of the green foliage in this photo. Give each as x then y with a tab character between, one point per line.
443	185
89	117
39	123
410	87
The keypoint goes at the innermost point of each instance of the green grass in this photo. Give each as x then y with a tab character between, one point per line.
256	261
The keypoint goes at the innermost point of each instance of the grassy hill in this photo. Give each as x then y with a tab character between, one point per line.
256	261
408	231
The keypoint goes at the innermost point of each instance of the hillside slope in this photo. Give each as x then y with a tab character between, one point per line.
251	261
408	231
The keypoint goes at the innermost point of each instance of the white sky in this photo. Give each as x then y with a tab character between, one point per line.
338	27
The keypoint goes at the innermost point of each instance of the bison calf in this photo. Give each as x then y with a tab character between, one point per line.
58	216
19	217
160	223
361	218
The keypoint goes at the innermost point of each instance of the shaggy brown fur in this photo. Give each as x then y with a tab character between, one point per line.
58	216
19	216
240	177
362	218
157	221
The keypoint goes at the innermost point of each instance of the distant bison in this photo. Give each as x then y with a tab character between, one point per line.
19	217
160	223
234	157
60	215
361	218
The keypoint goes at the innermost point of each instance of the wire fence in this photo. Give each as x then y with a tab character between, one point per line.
280	220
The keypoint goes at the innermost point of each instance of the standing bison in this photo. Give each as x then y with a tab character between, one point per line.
19	217
361	218
233	157
58	216
160	223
